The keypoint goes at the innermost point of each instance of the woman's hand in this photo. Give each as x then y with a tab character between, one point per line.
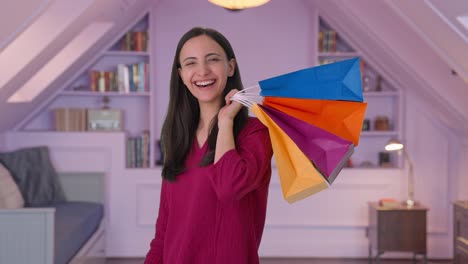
228	112
225	140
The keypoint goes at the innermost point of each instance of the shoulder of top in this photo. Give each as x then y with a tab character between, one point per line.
253	124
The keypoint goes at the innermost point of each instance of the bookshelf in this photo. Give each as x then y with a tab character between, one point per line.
116	81
384	106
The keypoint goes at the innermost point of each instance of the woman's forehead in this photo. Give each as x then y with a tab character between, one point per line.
199	47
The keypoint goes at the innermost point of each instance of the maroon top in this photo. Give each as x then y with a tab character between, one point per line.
216	214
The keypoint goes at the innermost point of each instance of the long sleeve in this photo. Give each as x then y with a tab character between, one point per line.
243	169
155	254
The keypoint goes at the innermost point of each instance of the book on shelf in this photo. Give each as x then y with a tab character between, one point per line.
134	41
138	150
85	119
70	119
125	79
327	41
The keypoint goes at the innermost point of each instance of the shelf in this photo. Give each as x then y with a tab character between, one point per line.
378	133
381	94
112	94
76	133
339	54
156	169
126	53
370	168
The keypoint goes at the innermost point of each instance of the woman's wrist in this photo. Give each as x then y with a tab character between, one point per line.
225	124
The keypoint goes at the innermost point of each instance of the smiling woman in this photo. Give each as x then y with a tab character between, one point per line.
217	161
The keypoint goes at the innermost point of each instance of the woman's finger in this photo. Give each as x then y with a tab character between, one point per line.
229	95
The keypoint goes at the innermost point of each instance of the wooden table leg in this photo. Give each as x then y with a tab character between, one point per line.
377	258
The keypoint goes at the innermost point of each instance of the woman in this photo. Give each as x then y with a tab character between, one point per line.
216	169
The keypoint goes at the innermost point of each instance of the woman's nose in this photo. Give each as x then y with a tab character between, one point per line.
203	68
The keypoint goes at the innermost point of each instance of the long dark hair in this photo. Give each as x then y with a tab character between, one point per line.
183	114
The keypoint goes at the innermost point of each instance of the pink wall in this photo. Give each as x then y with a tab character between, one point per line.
270	41
2	141
267	40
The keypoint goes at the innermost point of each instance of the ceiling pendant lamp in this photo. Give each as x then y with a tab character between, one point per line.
238	4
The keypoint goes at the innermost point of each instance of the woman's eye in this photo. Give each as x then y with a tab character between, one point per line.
213	59
189	63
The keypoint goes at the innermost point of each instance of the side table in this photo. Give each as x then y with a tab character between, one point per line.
397	228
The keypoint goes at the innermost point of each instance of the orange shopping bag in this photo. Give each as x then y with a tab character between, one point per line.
342	118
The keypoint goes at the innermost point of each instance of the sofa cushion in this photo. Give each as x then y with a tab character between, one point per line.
75	223
35	175
10	196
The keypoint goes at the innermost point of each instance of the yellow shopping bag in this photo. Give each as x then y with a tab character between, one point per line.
298	176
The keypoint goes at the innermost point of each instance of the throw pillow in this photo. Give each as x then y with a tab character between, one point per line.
10	196
35	175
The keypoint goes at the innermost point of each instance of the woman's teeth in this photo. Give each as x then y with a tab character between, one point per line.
204	83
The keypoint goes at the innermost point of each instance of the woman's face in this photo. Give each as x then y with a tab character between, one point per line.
205	69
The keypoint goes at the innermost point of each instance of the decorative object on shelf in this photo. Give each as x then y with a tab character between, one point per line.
235	5
104	119
384	160
314	124
366	84
381	123
366	125
80	88
396	145
378	84
366	164
105	102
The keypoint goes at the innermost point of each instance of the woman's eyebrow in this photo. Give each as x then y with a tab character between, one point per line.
211	54
206	56
189	58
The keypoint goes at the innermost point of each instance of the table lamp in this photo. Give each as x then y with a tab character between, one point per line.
395	145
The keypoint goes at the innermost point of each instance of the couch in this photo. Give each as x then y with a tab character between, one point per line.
56	222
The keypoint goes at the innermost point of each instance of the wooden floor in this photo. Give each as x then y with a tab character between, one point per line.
302	261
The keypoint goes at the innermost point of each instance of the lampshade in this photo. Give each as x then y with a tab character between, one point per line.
238	4
394	145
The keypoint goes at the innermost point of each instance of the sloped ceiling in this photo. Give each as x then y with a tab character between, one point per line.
412	42
436	21
19	18
118	13
399	50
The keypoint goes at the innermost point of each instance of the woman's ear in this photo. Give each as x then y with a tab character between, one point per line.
232	67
